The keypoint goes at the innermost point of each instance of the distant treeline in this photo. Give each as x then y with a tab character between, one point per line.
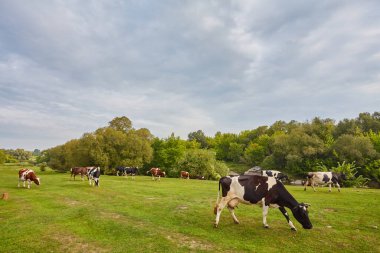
292	147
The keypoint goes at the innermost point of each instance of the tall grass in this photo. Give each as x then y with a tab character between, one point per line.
173	215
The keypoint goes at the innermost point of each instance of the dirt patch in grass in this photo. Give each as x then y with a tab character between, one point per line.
182	240
73	243
329	210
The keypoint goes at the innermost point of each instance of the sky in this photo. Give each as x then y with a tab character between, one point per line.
69	67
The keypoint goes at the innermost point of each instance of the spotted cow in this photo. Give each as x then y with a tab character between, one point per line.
156	173
185	175
274	173
256	189
132	171
93	175
29	176
316	178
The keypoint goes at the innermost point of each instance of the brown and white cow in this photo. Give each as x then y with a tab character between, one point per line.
156	173
29	176
255	189
185	175
82	171
316	178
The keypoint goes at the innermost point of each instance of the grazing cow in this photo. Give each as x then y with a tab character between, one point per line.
79	170
156	173
329	178
29	176
93	174
256	189
185	174
132	171
274	173
120	170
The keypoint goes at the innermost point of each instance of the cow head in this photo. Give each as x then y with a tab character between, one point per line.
37	181
301	214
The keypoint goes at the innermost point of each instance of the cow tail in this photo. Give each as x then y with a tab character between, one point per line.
217	199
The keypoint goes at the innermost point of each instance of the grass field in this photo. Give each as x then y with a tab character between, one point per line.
173	215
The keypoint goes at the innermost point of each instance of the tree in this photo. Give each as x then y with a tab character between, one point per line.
121	124
200	162
357	149
3	156
199	137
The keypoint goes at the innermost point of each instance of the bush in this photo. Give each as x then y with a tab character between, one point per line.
43	166
350	170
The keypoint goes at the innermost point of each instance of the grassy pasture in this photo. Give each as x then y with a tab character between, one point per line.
173	215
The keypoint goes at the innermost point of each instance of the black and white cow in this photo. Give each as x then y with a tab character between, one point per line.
329	178
132	171
274	173
94	174
255	189
120	171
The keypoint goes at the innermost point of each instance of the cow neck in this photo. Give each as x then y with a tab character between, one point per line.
288	200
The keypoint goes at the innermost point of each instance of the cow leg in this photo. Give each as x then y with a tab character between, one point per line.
29	183
307	181
152	177
329	187
23	184
231	207
219	207
283	211
312	185
338	186
265	213
82	176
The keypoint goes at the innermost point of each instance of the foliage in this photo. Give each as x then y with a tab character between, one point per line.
350	170
108	147
200	162
3	156
43	166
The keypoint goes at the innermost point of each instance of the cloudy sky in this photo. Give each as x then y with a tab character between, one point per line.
69	67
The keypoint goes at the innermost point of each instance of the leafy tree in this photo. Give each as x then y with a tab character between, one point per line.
357	149
121	124
3	156
199	137
200	162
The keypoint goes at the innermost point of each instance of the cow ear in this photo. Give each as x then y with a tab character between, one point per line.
307	205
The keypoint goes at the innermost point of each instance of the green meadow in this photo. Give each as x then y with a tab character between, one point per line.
173	215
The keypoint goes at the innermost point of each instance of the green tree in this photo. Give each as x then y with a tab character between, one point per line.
3	156
199	137
121	124
357	149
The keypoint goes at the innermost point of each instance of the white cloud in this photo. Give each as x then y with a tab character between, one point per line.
70	67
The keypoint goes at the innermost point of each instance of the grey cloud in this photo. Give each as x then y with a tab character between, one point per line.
69	67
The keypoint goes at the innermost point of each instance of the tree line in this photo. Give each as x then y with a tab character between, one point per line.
292	147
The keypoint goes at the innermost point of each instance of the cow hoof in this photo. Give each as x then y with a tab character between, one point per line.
237	222
293	229
266	226
215	225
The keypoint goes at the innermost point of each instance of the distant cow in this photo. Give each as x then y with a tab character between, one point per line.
132	171
329	178
156	173
185	174
256	189
274	173
120	170
82	171
94	174
29	176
